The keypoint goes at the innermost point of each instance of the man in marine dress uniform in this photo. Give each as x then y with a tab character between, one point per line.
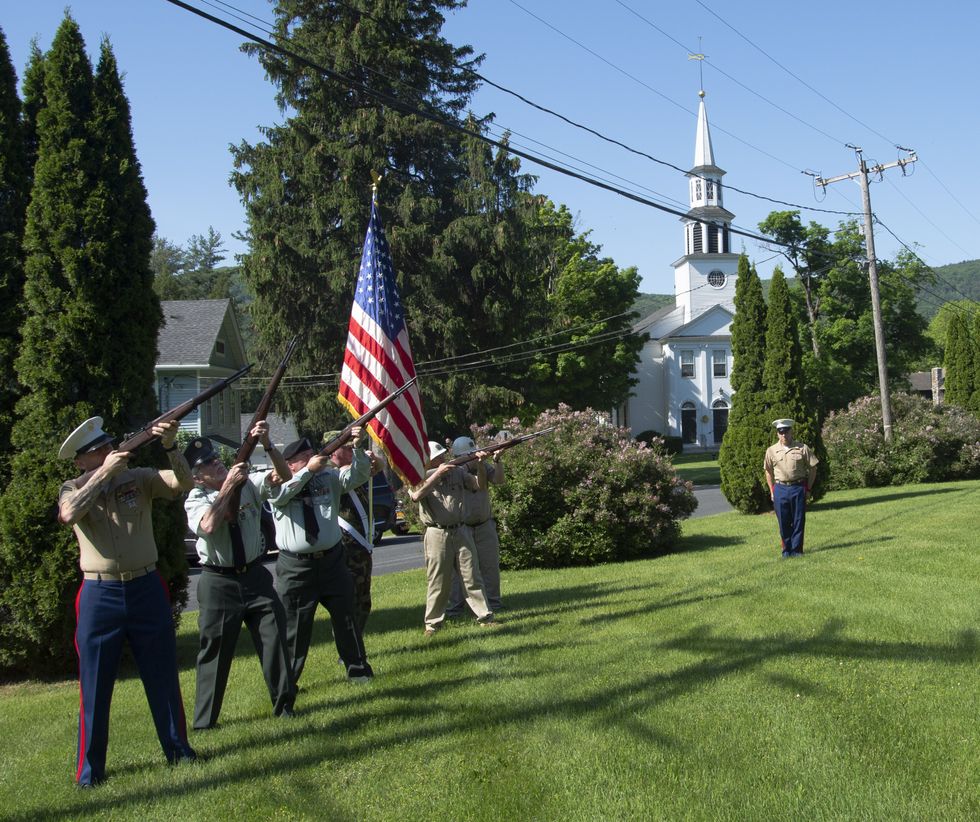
448	542
311	568
791	470
224	510
122	596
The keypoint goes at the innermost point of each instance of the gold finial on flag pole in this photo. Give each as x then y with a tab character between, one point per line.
377	181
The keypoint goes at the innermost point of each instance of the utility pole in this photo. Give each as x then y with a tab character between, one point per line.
869	241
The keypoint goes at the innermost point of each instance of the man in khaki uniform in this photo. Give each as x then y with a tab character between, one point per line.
791	470
448	542
478	515
122	597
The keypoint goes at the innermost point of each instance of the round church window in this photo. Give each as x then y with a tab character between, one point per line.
717	279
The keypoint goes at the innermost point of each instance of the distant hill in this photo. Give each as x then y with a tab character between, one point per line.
956	281
646	304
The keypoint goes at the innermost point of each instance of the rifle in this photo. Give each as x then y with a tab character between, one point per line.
265	404
145	434
362	420
469	456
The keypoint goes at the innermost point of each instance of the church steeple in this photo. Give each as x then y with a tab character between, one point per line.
707	256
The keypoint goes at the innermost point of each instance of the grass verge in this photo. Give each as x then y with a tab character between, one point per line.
719	682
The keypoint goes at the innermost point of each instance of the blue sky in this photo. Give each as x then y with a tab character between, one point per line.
894	67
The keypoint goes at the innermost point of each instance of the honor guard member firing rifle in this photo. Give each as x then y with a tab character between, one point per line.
354	521
122	596
311	567
479	517
448	542
234	586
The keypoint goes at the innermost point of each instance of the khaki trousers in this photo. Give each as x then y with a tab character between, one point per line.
488	557
445	551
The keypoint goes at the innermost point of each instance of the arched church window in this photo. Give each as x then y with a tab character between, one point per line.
697	238
717	279
719	413
709	189
713	232
689	423
697	189
724	240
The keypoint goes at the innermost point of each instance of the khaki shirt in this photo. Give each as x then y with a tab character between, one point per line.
443	505
476	504
116	534
789	463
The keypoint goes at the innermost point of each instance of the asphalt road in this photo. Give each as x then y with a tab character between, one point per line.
397	553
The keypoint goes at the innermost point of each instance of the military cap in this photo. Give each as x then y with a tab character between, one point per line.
297	447
200	450
87	437
435	450
777	424
463	445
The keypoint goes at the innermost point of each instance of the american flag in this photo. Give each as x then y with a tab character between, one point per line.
378	360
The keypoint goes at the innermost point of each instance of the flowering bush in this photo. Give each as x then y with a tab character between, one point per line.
585	493
929	443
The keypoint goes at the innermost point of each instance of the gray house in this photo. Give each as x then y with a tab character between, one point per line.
200	343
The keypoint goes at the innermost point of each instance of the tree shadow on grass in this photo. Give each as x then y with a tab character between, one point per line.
837	505
396	714
857	543
704	542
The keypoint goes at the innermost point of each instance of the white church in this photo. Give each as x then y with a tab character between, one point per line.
684	373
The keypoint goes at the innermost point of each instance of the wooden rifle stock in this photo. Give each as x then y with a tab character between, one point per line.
146	435
364	419
469	456
265	404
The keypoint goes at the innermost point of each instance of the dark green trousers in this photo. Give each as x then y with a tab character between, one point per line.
226	601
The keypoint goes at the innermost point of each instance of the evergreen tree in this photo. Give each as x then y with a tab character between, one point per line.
786	393
958	364
88	341
33	102
14	190
306	188
748	435
975	354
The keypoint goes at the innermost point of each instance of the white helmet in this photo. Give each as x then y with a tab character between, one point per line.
463	445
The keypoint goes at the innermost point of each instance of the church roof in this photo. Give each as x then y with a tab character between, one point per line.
703	154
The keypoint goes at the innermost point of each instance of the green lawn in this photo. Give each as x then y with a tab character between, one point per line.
701	469
716	683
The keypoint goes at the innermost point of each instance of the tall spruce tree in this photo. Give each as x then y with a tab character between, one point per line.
306	187
748	434
786	393
958	363
88	340
14	192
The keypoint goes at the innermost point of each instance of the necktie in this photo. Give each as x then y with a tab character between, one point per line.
237	545
309	520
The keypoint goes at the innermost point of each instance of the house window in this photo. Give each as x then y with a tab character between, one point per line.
219	346
687	363
689	423
719	411
719	363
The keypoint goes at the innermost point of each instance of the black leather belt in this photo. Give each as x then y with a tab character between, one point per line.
447	527
230	570
308	554
794	482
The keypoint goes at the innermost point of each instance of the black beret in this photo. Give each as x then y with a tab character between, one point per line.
297	447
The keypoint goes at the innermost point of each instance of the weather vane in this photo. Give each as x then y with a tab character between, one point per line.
700	58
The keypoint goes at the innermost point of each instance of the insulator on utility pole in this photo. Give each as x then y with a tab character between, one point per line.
869	240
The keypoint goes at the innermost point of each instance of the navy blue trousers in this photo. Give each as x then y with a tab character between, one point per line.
108	614
789	502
